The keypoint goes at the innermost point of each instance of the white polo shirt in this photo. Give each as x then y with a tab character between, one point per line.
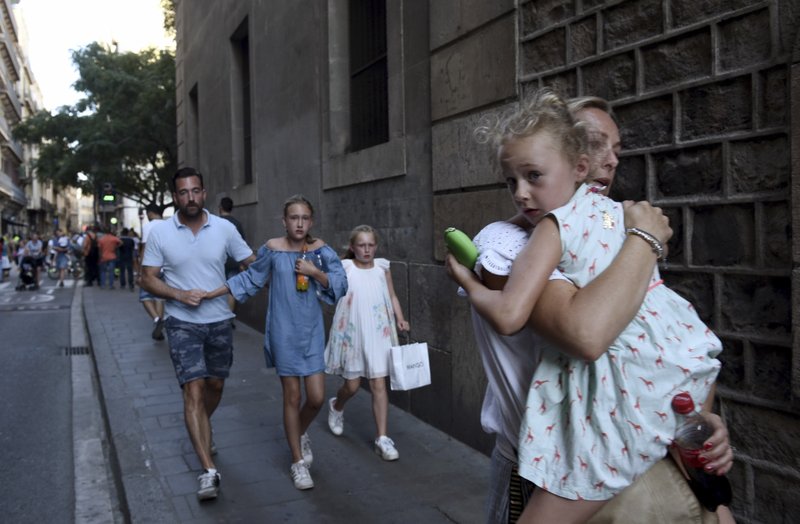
192	261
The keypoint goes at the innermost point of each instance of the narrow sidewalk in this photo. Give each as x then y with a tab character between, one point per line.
437	478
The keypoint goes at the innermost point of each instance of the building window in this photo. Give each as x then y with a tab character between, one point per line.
364	112
369	100
242	130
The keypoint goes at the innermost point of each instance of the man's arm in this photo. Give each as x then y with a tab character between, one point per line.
584	322
154	285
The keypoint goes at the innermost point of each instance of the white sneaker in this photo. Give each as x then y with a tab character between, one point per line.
301	476
305	449
384	446
335	418
209	485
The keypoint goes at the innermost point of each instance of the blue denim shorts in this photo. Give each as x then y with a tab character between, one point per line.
200	350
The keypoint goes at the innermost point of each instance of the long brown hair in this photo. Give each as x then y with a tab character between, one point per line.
363	228
299	199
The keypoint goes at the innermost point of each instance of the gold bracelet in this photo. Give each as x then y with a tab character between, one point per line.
658	249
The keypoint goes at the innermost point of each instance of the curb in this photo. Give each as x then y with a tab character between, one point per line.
96	493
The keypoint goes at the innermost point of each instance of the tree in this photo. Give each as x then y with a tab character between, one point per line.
122	132
168	7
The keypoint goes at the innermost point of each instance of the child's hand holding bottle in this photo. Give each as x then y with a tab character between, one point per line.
304	269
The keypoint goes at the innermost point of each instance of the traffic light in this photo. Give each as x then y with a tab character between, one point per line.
109	196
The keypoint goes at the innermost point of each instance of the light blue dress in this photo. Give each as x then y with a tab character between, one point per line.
591	428
294	341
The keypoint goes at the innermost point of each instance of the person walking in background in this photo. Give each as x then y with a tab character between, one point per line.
34	248
19	250
232	267
153	305
61	246
51	250
5	261
107	246
91	256
301	271
136	254
191	247
363	331
125	261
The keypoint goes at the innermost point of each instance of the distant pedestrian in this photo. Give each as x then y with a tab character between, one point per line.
153	305
191	248
300	271
232	267
108	245
61	247
364	330
91	257
34	248
51	250
5	261
125	259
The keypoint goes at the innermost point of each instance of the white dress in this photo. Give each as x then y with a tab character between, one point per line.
363	328
591	428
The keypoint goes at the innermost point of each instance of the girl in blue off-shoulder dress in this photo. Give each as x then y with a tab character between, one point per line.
294	342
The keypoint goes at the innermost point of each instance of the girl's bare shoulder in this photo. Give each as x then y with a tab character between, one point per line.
277	244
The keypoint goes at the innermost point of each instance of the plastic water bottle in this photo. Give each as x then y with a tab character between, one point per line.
302	280
692	432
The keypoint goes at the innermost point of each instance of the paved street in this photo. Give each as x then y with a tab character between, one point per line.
36	418
436	479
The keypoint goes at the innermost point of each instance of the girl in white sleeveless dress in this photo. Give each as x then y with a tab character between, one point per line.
364	329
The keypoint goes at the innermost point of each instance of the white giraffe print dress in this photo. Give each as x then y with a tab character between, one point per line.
591	428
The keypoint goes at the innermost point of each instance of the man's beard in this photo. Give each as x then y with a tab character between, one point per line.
192	210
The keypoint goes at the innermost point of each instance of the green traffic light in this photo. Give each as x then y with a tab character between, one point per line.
108	198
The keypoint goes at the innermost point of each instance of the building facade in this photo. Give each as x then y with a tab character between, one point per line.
26	203
13	75
368	109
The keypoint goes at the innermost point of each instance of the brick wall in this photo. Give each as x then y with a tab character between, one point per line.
701	89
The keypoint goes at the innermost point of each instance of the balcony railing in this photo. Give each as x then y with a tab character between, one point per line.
8	51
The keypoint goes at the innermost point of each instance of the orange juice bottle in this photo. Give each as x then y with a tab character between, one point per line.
301	282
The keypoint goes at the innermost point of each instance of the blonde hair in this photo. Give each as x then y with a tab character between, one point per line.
542	110
363	228
299	199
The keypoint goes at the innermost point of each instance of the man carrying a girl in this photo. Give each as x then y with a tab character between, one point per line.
532	164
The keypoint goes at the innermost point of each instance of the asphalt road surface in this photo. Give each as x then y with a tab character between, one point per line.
36	416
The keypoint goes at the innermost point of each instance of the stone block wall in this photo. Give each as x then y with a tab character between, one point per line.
702	91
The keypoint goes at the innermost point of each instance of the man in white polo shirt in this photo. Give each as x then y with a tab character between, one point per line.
191	248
